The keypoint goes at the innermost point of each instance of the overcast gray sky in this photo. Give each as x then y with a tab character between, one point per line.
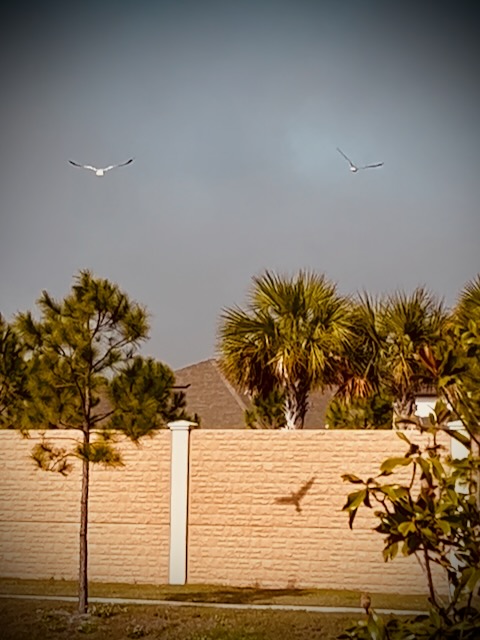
233	112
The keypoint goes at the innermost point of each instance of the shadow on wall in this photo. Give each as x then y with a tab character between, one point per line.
295	497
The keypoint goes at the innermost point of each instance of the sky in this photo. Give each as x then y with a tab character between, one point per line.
233	112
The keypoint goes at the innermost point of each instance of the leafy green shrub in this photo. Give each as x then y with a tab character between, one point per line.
434	516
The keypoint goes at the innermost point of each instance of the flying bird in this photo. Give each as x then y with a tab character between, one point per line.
100	172
354	168
295	496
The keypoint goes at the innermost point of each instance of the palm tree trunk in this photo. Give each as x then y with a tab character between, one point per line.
293	409
289	420
83	570
403	410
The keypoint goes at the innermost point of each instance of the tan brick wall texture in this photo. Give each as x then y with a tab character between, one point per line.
129	512
243	530
244	527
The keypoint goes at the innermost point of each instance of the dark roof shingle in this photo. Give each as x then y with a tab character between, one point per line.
220	406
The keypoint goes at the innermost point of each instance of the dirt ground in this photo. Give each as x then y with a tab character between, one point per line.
49	620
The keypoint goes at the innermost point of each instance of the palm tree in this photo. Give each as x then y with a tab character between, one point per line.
362	399
455	365
466	393
463	392
468	306
408	324
382	360
288	339
360	376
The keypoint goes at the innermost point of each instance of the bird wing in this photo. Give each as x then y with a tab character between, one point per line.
346	158
304	488
123	164
120	164
82	166
372	166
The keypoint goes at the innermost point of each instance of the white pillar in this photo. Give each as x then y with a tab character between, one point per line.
179	464
457	451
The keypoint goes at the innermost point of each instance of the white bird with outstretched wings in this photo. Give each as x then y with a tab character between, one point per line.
354	168
100	172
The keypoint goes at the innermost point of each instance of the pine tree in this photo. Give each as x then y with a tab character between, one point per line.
84	375
13	387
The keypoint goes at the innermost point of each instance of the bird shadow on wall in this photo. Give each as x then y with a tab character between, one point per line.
295	497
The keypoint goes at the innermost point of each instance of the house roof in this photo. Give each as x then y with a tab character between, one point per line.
211	396
221	406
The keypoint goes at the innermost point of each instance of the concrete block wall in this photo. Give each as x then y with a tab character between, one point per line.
128	514
244	526
245	529
39	513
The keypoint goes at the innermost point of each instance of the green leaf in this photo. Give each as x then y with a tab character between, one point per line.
437	467
402	436
435	618
390	551
444	526
393	492
355	499
349	477
427	533
443	415
453	496
473	580
459	436
376	627
425	468
406	527
391	463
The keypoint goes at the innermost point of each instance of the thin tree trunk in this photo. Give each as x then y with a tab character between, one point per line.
428	569
83	570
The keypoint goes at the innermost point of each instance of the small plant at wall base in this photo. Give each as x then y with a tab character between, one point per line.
83	375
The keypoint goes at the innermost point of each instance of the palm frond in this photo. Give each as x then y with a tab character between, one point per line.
468	305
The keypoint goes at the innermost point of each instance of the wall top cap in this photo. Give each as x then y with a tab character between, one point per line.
181	425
